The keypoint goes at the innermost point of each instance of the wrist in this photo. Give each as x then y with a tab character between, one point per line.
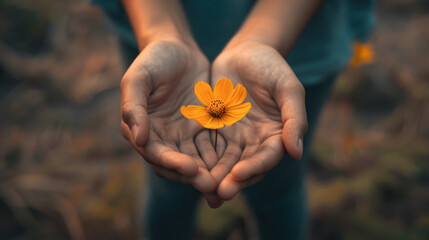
157	20
277	23
245	44
257	37
164	33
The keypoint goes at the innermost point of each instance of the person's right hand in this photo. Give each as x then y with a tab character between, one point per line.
276	122
156	85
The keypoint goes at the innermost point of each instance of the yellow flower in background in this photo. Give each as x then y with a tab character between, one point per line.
363	54
222	107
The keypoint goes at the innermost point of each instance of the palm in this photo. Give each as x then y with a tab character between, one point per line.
173	89
156	85
256	140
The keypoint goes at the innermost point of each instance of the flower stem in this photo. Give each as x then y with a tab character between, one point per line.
215	139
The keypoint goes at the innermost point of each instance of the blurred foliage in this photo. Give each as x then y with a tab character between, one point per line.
67	173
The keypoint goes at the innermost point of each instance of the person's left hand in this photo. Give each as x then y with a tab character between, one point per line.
153	90
277	120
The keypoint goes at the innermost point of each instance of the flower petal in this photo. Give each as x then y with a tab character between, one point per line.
200	115
235	113
223	89
214	123
192	111
204	120
238	96
204	92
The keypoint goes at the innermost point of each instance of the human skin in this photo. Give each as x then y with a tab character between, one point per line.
158	83
277	122
154	88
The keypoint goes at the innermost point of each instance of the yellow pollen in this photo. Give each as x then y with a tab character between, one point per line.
216	108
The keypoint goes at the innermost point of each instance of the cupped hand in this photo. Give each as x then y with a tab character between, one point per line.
276	122
156	85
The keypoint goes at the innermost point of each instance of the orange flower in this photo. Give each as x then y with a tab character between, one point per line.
363	54
222	107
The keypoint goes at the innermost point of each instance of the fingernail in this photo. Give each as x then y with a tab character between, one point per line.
300	147
213	202
135	132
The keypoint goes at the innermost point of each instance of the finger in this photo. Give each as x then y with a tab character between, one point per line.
267	156
160	155
213	200
206	149
248	151
290	97
202	181
188	147
229	187
135	90
230	157
125	131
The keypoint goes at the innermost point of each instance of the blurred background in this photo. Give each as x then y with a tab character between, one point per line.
67	173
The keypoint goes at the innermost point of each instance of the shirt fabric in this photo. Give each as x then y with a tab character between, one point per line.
279	201
324	47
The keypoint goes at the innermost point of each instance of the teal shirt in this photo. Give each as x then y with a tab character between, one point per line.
323	48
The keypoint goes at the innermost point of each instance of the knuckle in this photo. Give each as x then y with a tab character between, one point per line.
300	123
132	78
135	79
126	111
125	81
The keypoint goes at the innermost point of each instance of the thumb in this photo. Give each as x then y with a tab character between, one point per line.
134	96
290	97
293	135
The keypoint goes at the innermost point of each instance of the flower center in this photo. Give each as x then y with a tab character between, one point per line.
216	108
